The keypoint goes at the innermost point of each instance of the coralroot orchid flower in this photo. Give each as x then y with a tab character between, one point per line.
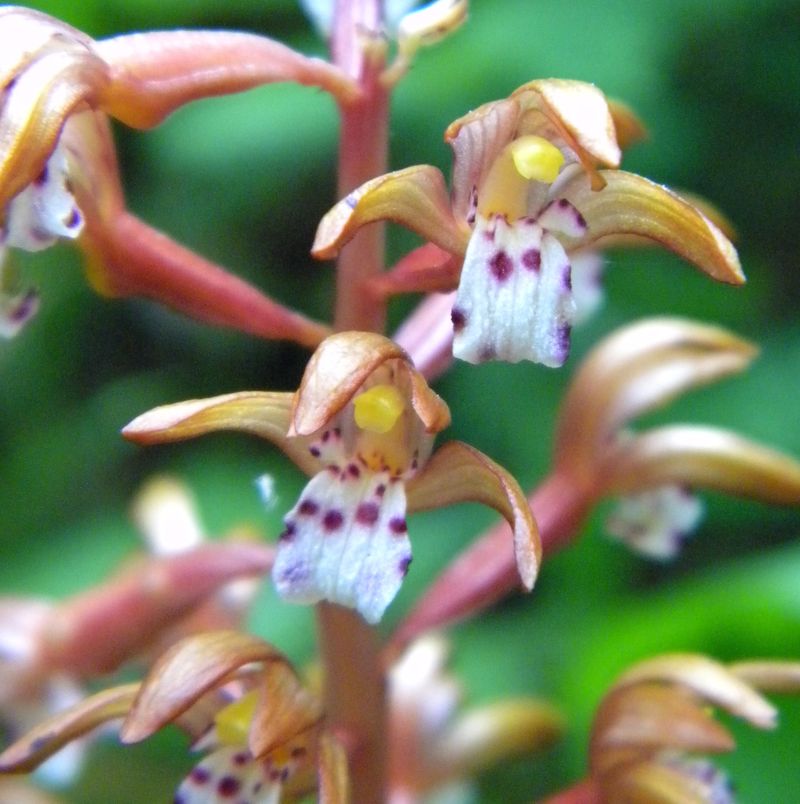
656	717
239	699
48	651
634	371
362	425
528	191
58	172
433	748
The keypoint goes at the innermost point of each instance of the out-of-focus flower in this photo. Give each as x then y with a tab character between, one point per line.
527	194
362	425
432	748
58	171
634	371
48	651
241	701
656	719
637	370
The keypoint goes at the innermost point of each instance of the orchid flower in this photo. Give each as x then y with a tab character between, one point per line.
362	424
528	192
238	698
656	718
58	171
434	750
653	472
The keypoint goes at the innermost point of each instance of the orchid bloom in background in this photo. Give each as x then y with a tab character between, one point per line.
238	698
48	651
634	371
58	170
433	749
528	193
656	718
167	517
362	424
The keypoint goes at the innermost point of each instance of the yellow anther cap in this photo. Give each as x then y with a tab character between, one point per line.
378	409
536	159
233	722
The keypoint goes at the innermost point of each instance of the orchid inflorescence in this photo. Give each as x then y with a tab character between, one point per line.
511	261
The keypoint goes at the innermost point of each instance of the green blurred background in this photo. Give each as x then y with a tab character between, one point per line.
245	179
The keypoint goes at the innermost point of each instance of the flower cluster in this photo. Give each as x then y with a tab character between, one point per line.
511	261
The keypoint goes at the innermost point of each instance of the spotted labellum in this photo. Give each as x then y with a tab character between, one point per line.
535	187
362	425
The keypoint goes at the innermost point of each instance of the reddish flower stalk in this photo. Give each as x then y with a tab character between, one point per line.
584	792
355	697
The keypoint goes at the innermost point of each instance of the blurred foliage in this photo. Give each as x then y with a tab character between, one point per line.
245	179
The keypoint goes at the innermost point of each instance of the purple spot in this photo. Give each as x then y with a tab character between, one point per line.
288	532
325	436
404	565
353	471
566	277
487	353
200	775
295	574
315	451
228	786
241	758
532	259
397	525
380	490
25	308
459	319
501	266
337	432
308	508
74	219
332	521
367	514
41	179
275	775
563	340
179	799
563	203
488	234
41	742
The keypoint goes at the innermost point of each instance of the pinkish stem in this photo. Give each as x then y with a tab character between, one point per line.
355	694
583	792
486	572
363	154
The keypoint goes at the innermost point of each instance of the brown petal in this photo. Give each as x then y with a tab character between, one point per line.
770	675
262	413
627	125
650	717
634	371
703	457
184	673
95	632
459	473
339	368
710	680
653	783
633	205
334	781
482	737
157	72
581	115
285	710
36	105
415	197
47	738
